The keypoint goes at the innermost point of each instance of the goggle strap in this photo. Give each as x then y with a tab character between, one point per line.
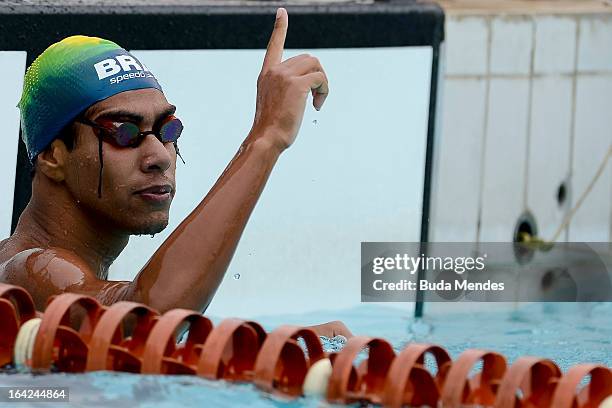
178	153
101	167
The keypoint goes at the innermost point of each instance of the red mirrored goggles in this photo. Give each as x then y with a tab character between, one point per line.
128	134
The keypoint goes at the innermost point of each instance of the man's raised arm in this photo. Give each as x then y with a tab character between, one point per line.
189	266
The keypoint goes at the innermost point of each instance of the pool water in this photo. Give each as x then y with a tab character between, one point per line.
567	333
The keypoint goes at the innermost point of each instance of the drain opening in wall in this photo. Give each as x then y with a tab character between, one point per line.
525	230
561	194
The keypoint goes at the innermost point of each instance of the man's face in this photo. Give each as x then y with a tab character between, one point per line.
137	182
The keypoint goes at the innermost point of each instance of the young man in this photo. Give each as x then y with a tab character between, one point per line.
103	141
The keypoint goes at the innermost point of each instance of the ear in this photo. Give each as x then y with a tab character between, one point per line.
52	161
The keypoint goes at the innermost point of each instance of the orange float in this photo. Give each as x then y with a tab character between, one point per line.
77	334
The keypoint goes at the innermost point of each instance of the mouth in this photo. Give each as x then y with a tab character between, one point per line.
156	194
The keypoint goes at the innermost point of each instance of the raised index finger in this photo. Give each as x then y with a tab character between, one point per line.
274	54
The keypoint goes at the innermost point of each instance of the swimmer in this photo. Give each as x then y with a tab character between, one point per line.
104	142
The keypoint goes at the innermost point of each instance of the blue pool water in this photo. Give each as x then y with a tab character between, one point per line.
567	333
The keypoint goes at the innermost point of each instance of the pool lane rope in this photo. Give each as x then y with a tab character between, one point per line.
77	334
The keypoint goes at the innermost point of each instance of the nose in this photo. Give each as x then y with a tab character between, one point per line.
155	155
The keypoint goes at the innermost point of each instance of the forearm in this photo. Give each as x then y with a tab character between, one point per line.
189	266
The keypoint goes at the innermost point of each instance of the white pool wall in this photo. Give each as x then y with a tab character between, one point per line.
12	69
526	107
526	102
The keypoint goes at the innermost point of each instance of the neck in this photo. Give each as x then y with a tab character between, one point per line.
63	223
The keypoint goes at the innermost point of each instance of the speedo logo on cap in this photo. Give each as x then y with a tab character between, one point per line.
110	67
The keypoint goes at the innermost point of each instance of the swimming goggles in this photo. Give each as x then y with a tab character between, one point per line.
128	134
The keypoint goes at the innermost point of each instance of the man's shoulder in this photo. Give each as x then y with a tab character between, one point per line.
13	250
44	272
19	264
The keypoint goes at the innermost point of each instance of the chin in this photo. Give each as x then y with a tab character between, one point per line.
149	227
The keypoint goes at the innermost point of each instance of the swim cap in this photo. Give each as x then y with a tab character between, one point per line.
70	76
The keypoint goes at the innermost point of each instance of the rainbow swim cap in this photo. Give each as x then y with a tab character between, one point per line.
70	76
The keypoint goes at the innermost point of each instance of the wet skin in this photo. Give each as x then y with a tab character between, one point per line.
67	237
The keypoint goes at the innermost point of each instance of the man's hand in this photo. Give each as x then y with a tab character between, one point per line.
282	89
332	329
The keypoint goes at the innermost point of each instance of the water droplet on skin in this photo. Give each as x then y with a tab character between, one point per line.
236	276
314	122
